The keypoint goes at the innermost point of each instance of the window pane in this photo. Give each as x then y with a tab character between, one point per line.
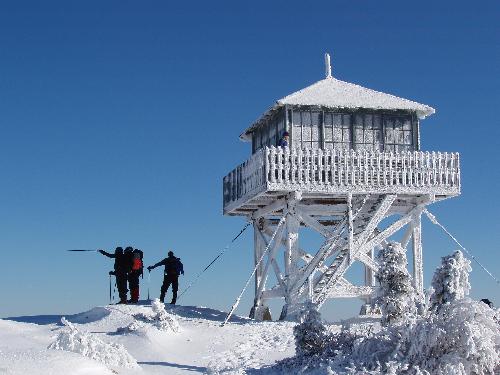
407	124
337	134
337	120
346	120
369	136
328	145
296	118
272	130
408	139
358	133
306	118
346	135
315	133
389	135
368	121
316	118
296	135
328	118
328	133
306	133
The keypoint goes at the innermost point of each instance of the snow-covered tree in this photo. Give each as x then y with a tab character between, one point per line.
396	295
310	334
451	280
462	337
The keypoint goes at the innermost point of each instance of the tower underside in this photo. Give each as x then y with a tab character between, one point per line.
355	200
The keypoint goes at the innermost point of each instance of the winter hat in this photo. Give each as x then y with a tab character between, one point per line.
285	134
170	253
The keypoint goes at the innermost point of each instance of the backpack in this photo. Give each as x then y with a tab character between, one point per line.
179	267
137	264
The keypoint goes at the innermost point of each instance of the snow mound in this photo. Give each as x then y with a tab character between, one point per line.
93	315
89	345
159	318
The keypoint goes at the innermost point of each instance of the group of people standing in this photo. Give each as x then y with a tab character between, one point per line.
129	267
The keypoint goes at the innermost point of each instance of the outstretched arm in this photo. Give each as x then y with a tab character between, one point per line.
160	263
107	254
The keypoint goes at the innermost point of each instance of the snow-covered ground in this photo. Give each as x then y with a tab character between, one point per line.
108	333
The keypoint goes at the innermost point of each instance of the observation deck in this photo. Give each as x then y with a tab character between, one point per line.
327	176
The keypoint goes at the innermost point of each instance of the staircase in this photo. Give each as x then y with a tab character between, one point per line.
340	264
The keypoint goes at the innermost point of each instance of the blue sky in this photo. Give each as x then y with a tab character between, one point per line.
119	119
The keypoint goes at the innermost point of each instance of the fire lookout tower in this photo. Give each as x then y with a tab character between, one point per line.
353	159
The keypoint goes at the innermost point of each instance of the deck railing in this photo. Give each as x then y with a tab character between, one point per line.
333	171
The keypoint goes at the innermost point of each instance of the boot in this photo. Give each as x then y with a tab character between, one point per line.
174	300
134	295
162	297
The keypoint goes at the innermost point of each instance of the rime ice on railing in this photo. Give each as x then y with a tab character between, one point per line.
338	170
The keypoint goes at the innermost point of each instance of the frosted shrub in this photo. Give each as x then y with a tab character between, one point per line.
91	346
451	280
160	318
463	335
310	335
458	336
396	296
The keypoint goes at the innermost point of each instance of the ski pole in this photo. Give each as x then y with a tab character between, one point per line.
110	289
149	279
81	250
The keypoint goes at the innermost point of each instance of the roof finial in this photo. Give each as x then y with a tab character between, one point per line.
328	67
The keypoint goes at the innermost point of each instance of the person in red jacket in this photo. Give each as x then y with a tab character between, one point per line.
133	276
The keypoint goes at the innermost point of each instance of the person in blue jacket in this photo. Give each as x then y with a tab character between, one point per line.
284	140
173	268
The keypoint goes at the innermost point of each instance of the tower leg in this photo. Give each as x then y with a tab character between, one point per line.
259	311
418	271
291	255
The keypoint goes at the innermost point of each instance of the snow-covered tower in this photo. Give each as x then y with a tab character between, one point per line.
353	161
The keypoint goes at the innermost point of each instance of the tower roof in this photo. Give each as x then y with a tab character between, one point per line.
336	94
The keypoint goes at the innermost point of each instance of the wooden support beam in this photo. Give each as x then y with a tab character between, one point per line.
277	271
369	274
378	216
320	256
275	206
418	270
367	261
271	255
258	241
350	228
407	236
389	231
313	223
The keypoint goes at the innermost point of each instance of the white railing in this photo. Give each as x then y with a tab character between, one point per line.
331	171
245	179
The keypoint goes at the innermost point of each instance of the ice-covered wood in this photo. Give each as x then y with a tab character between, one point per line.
341	172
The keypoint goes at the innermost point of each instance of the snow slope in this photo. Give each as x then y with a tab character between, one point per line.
201	345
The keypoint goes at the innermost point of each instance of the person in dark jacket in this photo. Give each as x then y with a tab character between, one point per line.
173	268
120	272
284	140
134	274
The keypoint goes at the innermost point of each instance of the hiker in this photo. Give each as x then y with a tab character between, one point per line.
133	276
120	272
173	268
283	142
